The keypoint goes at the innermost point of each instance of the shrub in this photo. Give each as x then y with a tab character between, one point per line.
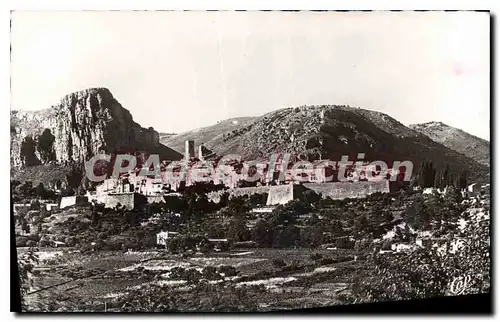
315	256
427	273
45	145
21	241
386	245
227	270
278	263
326	261
70	241
31	243
210	273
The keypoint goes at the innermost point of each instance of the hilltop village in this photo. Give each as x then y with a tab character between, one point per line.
227	177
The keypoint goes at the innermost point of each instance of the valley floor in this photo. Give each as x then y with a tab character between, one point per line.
68	280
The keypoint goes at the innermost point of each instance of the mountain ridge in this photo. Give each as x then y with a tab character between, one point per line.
328	132
456	139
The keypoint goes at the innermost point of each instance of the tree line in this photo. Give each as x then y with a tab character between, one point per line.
430	176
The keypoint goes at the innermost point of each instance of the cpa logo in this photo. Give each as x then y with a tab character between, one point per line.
459	284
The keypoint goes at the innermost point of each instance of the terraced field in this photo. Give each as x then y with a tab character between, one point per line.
67	280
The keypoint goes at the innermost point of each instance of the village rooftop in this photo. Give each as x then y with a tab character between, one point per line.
203	170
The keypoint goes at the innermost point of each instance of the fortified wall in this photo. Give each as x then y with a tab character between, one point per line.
214	196
283	193
124	199
280	195
343	190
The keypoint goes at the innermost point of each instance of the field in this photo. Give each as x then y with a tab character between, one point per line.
97	281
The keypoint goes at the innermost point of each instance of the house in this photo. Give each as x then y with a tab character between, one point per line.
218	243
163	236
51	206
399	247
474	188
262	210
58	243
423	242
218	240
72	201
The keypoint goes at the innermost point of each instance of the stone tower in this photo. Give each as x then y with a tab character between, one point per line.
189	150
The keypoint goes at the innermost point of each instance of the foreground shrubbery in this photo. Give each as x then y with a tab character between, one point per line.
426	273
203	297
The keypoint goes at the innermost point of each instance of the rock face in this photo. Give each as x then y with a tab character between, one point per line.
456	139
83	124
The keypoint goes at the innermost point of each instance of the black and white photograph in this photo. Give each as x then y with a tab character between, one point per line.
248	161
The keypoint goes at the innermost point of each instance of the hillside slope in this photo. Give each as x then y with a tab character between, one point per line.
210	135
328	132
469	145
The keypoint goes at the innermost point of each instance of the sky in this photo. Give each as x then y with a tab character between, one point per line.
177	71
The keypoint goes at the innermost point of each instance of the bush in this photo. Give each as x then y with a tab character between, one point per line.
292	267
315	256
427	273
31	243
21	241
327	261
386	245
227	270
70	241
345	243
210	273
278	263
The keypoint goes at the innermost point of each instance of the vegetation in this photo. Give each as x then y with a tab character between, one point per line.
340	240
45	147
25	263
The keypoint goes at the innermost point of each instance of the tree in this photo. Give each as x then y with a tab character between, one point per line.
311	237
26	263
67	192
288	237
427	273
238	206
25	189
27	151
278	263
361	224
438	180
461	181
40	191
45	146
95	216
427	174
74	177
417	214
262	233
311	197
237	230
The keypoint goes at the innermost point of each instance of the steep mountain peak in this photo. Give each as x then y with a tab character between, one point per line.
82	124
90	91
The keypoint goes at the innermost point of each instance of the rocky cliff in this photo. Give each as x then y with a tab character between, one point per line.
81	125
